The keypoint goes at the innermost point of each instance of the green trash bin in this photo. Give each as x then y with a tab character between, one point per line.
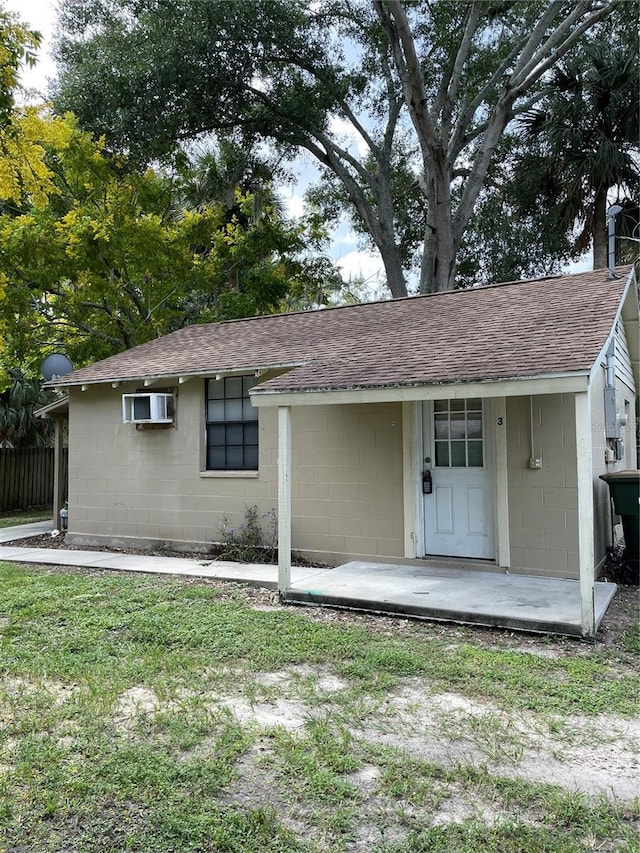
625	491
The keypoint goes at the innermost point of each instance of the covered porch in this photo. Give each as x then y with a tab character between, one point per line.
493	599
495	595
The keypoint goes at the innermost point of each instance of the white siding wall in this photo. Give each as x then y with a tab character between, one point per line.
623	370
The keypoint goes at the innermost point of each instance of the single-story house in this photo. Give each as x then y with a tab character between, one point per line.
470	425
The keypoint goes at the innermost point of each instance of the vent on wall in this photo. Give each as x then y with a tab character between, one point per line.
147	408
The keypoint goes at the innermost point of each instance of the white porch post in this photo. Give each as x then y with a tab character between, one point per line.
501	481
586	557
284	499
411	469
58	482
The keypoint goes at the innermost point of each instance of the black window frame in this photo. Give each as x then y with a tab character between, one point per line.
231	424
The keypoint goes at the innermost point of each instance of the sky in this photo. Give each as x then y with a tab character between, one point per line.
353	263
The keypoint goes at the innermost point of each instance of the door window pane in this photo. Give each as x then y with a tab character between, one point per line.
458	425
458	454
474	426
442	454
475	454
458	436
442	426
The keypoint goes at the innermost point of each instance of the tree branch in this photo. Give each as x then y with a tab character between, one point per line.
407	63
460	136
463	52
537	66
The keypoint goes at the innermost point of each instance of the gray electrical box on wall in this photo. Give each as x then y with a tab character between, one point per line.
611	423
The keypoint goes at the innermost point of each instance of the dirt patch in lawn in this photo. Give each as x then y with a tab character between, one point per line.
419	756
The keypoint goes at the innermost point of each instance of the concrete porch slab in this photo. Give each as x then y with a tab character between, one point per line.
522	602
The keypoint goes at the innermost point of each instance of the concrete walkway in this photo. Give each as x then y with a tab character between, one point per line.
550	605
253	574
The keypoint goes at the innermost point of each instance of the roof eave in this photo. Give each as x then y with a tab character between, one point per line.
507	386
56	409
180	376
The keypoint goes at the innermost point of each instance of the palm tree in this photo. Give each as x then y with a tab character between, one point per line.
584	142
18	402
216	174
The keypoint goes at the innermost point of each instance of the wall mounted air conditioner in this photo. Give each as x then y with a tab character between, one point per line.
147	408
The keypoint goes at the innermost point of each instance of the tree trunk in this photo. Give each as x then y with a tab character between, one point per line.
600	231
428	255
393	267
439	261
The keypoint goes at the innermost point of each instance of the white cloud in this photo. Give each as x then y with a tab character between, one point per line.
361	265
344	129
583	264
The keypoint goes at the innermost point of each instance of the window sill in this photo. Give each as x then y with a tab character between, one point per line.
229	474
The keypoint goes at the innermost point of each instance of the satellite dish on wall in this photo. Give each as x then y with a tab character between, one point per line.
55	365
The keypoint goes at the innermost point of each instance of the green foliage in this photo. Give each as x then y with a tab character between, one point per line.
18	47
582	141
250	542
110	258
18	402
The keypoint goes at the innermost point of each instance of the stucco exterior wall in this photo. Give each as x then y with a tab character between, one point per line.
142	486
543	520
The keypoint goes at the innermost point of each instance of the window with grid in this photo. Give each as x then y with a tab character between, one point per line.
232	424
457	426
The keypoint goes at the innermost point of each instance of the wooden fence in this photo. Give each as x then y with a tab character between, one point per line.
26	477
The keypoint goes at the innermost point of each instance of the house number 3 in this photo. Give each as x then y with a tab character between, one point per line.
500	421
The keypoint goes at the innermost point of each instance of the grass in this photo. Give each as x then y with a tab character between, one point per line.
25	516
120	731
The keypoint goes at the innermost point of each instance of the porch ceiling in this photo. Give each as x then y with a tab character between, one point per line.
521	602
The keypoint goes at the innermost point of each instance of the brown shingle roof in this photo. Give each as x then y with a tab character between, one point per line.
554	325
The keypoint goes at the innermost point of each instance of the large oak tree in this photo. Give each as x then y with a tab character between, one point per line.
359	84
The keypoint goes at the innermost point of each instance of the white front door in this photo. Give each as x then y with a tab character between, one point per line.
459	511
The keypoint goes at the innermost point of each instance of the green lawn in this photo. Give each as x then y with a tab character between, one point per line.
26	516
132	706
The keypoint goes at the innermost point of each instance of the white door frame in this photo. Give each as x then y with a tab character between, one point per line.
413	455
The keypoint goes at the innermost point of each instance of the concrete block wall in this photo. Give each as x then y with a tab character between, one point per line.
543	521
347	480
144	486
